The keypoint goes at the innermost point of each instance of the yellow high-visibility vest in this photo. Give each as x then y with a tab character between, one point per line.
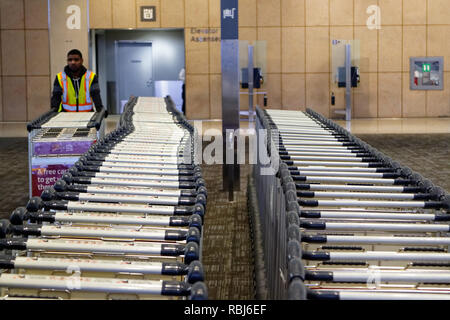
69	98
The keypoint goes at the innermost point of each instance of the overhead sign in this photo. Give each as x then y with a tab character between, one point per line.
229	19
148	13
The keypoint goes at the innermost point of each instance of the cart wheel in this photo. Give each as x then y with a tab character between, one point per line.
48	194
195	272
5	228
297	290
18	216
35	204
199	291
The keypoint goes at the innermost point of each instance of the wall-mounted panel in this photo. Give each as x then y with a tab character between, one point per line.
36	14
14	99
38	55
100	14
13	52
338	33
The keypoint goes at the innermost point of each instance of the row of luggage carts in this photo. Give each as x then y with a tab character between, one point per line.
124	223
354	223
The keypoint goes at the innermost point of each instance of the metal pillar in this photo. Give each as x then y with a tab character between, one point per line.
230	94
348	82
251	112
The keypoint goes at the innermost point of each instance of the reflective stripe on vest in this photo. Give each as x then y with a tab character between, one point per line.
87	85
69	98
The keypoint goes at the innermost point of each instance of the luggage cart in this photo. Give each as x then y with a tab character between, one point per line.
56	141
124	240
358	224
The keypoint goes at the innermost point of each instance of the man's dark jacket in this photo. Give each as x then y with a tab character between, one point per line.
57	90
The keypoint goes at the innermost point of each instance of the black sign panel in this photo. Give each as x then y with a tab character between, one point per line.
148	13
229	19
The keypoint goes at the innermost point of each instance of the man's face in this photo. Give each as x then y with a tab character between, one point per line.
75	62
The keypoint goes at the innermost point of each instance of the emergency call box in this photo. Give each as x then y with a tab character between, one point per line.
427	73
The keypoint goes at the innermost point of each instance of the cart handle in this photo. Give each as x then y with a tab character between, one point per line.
38	122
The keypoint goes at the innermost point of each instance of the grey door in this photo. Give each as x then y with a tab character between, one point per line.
134	65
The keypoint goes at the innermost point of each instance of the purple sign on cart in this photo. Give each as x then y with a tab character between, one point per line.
61	147
45	176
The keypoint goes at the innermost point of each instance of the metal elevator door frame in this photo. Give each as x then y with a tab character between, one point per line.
117	44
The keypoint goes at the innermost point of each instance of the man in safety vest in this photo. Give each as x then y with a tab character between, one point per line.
76	89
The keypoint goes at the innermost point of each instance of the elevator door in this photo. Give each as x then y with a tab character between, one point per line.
135	70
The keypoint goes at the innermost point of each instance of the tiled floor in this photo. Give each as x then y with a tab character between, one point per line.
227	246
398	126
358	126
364	126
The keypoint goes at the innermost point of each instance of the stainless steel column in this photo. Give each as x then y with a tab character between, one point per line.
251	114
230	92
348	82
